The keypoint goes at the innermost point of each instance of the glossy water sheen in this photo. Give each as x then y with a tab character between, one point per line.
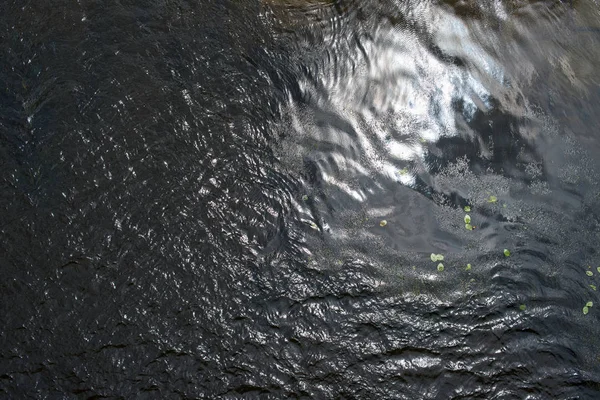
192	195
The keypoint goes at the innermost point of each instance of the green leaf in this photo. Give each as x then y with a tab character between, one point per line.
492	199
589	304
468	267
506	253
403	171
593	287
440	267
383	223
305	197
589	273
469	227
436	257
585	310
467	219
522	307
598	269
467	209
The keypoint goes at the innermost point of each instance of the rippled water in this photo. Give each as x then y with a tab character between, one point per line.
193	196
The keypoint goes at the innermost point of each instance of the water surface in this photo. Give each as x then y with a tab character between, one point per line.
193	195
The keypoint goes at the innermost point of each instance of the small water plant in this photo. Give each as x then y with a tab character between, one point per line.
436	257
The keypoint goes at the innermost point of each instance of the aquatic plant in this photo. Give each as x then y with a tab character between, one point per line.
436	257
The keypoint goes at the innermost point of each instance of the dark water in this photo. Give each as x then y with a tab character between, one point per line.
192	195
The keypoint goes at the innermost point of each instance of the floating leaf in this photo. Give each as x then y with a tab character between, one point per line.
593	287
403	171
436	257
589	273
492	199
383	223
467	209
504	205
305	197
585	310
440	267
314	226
467	219
468	267
598	269
469	227
522	307
589	304
506	253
